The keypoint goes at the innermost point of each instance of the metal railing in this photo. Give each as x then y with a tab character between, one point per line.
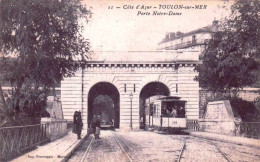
186	44
193	125
247	129
15	140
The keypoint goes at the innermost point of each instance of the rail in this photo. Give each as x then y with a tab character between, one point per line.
247	129
186	44
220	151
182	150
122	148
216	146
15	140
193	125
84	157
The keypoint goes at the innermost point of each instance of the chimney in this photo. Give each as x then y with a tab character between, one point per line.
215	22
167	36
178	33
172	35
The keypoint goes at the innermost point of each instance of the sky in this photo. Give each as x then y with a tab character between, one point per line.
120	29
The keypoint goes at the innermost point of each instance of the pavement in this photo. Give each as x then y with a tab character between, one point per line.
56	151
228	139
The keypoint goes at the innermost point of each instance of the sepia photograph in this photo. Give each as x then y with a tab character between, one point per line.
129	80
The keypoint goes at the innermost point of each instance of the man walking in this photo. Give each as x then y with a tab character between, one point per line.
97	124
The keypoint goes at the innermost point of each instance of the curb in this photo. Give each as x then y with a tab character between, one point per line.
72	149
233	141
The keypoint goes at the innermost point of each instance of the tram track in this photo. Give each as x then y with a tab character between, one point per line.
182	150
176	151
123	149
86	152
216	146
223	154
219	150
114	140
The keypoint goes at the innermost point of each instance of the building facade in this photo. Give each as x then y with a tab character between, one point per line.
193	40
120	78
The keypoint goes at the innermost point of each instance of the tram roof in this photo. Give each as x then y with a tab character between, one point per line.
145	56
171	98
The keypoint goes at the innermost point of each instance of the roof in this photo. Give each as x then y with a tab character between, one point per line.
144	56
207	29
171	98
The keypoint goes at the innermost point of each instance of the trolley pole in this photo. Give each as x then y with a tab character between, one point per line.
131	98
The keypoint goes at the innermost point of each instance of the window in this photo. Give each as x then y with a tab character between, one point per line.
194	39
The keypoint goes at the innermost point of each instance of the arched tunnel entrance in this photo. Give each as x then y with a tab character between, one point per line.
103	100
151	89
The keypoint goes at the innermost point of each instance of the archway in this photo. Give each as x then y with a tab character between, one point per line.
100	94
150	89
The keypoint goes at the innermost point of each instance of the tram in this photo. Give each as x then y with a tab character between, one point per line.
165	113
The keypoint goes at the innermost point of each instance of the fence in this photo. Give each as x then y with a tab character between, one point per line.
15	140
193	125
244	129
248	129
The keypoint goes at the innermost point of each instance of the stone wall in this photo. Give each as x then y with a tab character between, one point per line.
248	94
56	128
54	107
219	118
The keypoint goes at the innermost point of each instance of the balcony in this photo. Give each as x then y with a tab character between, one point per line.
187	44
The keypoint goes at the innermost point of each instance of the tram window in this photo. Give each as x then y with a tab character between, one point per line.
151	110
154	111
165	111
181	112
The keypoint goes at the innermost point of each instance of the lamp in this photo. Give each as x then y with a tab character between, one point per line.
131	98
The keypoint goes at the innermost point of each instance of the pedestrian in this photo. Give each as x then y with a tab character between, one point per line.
74	122
79	124
93	125
97	131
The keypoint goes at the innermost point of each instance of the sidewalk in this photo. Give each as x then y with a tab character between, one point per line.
57	150
229	139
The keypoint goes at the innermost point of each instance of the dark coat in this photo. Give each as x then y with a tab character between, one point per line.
93	123
78	122
98	123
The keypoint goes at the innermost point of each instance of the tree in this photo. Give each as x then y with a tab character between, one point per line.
41	42
229	61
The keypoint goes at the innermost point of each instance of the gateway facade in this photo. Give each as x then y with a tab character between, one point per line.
128	78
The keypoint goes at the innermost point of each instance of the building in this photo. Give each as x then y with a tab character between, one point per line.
128	80
195	40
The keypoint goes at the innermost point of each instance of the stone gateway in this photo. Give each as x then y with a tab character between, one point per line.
119	74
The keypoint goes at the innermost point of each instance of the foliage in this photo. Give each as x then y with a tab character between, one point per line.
245	109
229	60
41	42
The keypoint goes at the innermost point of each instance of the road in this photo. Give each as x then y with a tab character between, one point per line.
149	146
